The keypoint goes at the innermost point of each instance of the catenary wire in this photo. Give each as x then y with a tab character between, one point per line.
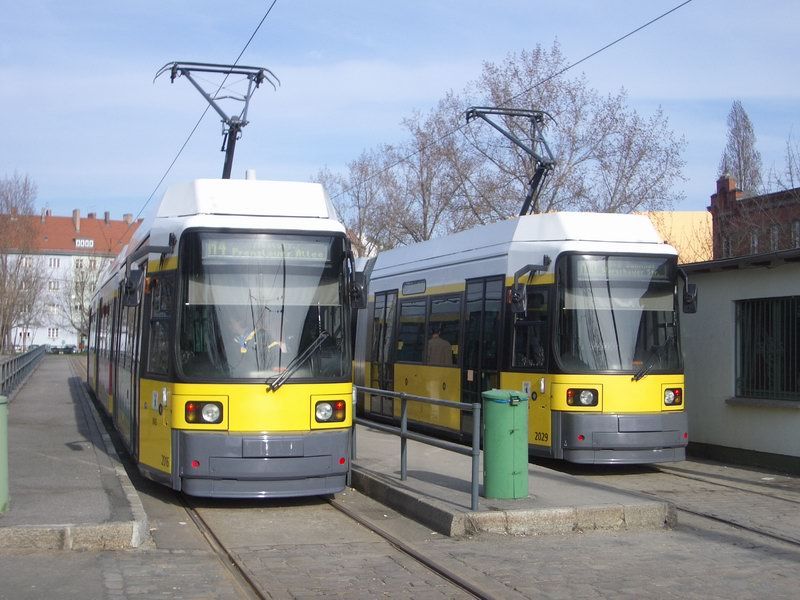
197	124
522	93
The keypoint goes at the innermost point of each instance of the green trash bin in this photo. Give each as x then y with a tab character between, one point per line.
505	444
3	454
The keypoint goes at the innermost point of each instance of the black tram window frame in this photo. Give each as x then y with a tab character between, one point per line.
459	326
510	320
154	279
401	302
392	350
501	336
559	285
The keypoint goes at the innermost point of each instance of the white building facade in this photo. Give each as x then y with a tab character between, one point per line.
69	254
742	360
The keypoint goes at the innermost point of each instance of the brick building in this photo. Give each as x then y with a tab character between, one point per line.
745	225
69	253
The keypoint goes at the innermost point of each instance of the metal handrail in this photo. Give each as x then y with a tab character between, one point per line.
15	369
405	434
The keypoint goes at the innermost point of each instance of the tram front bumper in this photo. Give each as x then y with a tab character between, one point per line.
623	439
261	465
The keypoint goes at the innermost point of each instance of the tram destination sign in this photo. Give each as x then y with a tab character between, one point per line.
266	247
623	268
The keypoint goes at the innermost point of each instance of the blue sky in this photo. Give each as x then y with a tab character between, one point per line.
83	118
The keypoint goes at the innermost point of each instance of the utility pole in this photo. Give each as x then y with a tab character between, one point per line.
231	125
543	159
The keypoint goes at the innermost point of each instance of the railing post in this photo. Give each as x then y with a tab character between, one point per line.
403	440
476	453
3	454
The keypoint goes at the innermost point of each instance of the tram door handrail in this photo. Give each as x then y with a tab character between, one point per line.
474	452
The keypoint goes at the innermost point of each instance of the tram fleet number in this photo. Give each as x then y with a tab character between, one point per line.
541	436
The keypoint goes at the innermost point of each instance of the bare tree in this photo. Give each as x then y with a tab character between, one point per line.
75	297
609	158
422	184
447	176
21	274
740	158
360	199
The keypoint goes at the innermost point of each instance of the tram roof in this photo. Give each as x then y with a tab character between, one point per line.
247	197
556	231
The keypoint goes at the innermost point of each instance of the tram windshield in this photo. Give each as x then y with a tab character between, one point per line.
252	303
617	313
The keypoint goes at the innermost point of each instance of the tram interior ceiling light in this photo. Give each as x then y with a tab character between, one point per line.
330	412
673	397
582	397
203	412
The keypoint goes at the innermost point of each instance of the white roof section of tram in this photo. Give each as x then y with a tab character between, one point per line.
246	197
239	204
523	240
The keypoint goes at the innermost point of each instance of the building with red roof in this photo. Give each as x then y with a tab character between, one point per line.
68	253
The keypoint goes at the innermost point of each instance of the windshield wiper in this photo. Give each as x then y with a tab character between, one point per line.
296	362
655	355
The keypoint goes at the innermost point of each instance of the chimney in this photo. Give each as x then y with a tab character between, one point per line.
76	219
726	196
106	217
91	215
44	214
128	218
48	213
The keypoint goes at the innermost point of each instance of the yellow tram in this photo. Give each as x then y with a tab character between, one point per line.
220	341
577	310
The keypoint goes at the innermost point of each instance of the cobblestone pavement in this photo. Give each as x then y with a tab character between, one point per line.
304	549
763	501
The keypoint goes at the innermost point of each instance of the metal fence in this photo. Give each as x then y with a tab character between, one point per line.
15	369
405	434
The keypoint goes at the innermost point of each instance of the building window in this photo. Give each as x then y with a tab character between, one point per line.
52	285
768	348
54	262
796	233
52	333
774	237
92	264
754	242
79	263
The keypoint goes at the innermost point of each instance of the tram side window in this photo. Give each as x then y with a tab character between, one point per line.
161	307
411	331
530	332
443	327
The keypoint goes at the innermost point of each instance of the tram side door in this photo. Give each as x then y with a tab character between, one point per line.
480	367
382	367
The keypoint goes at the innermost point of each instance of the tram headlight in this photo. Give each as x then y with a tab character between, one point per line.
207	413
582	397
673	397
330	411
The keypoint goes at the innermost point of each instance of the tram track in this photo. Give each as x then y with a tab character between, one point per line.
436	567
728	520
250	587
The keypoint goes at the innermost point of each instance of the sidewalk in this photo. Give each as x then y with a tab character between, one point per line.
67	487
437	493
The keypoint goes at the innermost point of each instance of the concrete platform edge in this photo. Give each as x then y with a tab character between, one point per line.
112	535
541	521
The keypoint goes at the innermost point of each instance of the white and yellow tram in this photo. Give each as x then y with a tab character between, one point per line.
578	310
220	341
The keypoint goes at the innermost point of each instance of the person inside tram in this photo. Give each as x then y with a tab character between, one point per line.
250	344
439	351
